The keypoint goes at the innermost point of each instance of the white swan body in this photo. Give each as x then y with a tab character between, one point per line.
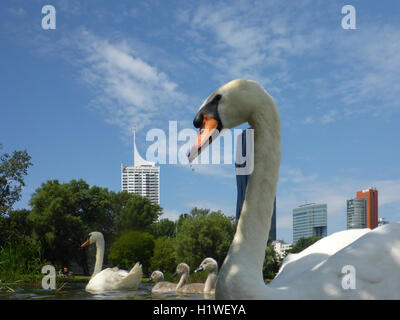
210	265
110	278
315	273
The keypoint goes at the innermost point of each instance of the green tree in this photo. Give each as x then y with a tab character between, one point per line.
272	262
164	257
15	226
303	243
13	168
203	234
63	213
131	247
163	228
136	212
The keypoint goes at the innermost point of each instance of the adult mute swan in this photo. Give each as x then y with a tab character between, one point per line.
110	278
210	265
319	273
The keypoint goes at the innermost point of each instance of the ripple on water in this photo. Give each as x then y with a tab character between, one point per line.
76	291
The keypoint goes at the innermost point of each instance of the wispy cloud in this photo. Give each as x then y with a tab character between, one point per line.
17	11
242	40
294	175
129	89
364	77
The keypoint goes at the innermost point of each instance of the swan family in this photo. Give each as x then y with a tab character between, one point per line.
117	279
317	272
183	286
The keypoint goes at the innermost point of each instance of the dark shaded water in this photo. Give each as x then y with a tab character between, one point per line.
76	291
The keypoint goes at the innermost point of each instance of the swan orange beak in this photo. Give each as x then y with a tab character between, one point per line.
85	243
207	133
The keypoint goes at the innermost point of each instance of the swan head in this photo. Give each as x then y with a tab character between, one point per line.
234	103
208	264
93	237
181	268
157	276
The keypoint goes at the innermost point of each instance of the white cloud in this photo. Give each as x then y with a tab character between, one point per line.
294	175
128	89
243	41
308	120
362	75
328	117
170	214
17	11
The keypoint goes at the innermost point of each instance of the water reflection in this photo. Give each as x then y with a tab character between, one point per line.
76	291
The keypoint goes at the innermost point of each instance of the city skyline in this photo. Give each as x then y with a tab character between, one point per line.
71	95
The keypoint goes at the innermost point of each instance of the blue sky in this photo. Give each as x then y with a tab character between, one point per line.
70	95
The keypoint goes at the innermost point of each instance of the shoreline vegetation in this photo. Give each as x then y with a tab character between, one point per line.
61	215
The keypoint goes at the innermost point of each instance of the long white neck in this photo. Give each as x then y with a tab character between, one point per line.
241	272
99	256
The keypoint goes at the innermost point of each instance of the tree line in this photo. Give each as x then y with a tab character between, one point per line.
62	214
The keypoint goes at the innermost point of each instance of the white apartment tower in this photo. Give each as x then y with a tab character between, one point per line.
143	178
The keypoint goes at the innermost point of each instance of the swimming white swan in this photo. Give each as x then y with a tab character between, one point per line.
210	265
316	273
110	278
161	286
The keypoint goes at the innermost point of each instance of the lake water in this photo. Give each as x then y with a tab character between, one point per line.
76	291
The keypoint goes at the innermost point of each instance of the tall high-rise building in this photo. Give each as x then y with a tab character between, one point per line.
143	178
362	212
309	220
241	183
371	197
356	214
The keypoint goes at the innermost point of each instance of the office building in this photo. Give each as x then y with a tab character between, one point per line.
281	247
241	183
362	211
309	220
371	197
143	178
356	214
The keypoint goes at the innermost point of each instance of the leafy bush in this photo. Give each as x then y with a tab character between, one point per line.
203	234
272	262
303	243
23	257
164	257
131	247
138	212
163	228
